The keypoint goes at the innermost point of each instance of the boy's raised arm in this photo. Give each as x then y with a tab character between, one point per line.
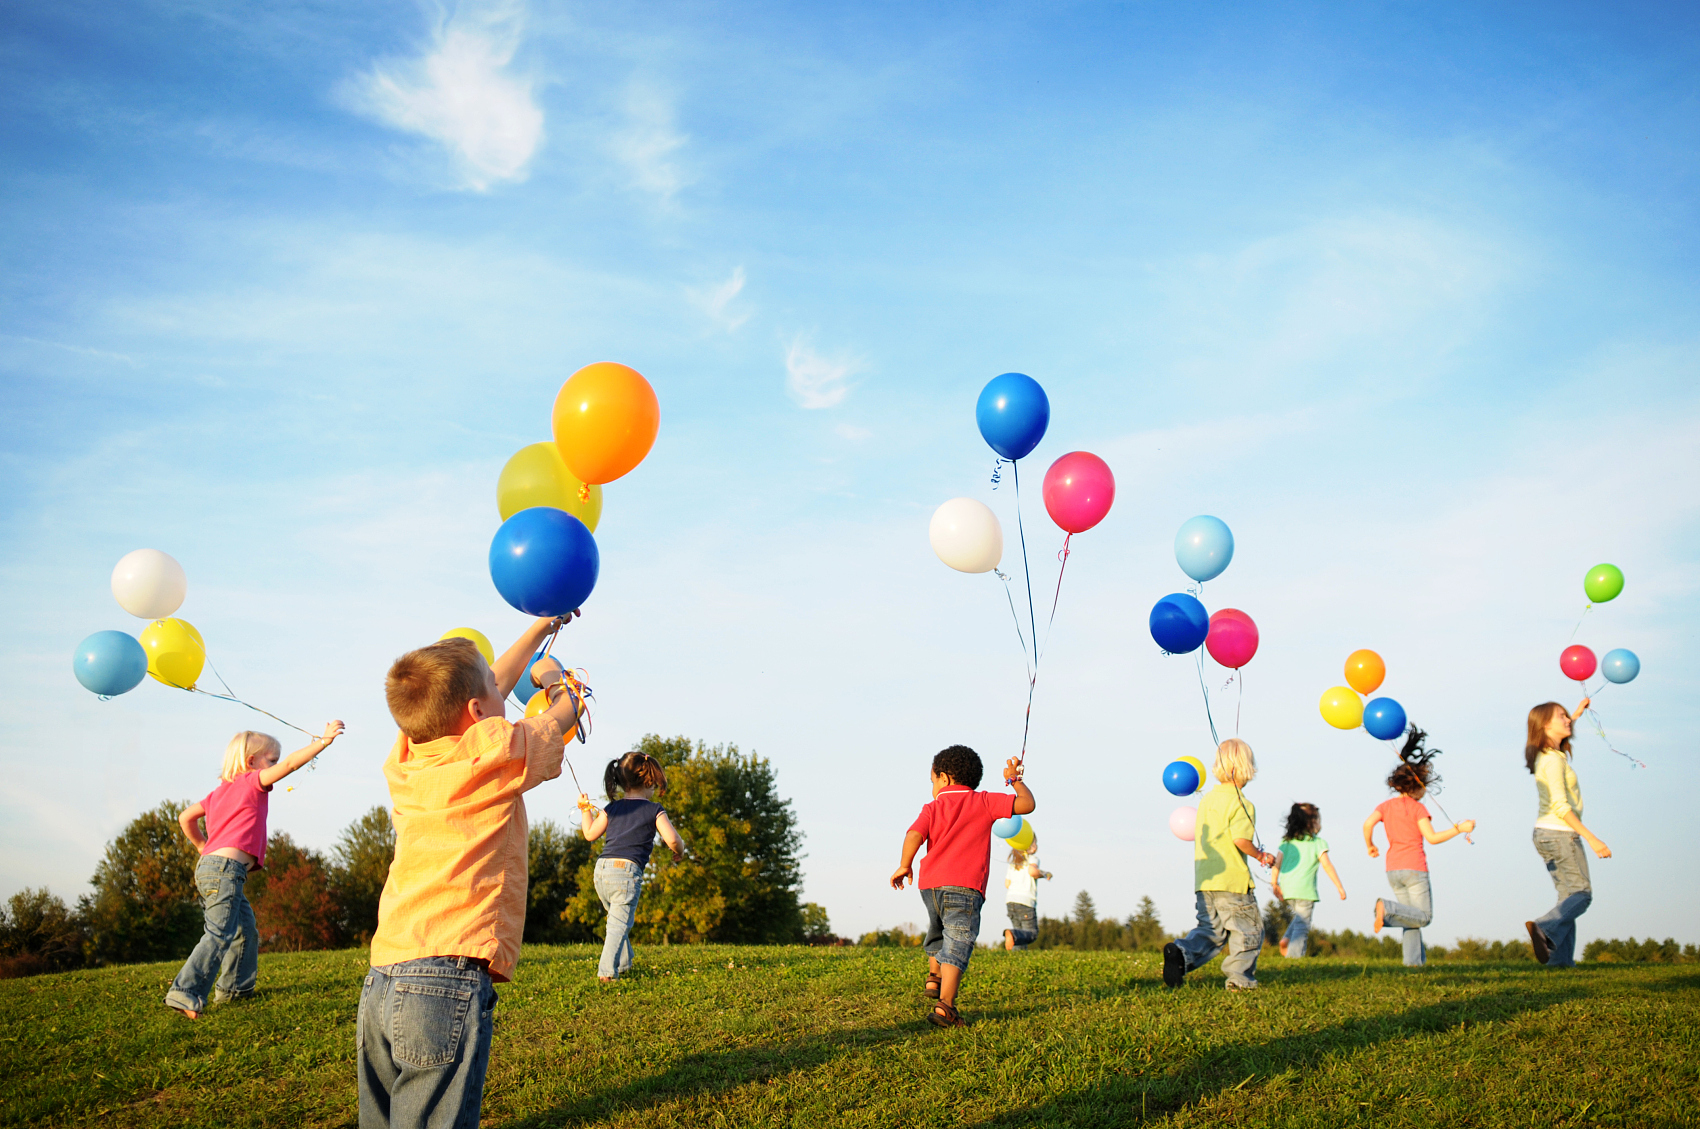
513	661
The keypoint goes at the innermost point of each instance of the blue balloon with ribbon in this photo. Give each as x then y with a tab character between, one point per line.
1007	828
1384	719
1013	413
544	561
1620	666
1179	623
110	663
1204	547
1181	779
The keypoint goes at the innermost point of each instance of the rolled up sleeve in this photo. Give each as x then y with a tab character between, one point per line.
538	741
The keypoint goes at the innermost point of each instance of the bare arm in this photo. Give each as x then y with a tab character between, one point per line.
593	821
1369	834
190	822
1588	837
1579	708
302	756
1432	836
1012	774
1328	869
670	836
1247	849
514	660
911	843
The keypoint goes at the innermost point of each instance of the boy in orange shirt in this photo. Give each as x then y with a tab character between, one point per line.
453	908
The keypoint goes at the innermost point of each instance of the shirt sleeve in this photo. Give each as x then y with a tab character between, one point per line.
1549	770
538	740
1001	805
924	822
1321	845
1422	812
1289	857
1240	820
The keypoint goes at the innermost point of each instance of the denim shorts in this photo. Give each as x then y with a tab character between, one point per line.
953	923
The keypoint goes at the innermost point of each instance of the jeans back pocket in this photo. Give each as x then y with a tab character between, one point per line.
427	1021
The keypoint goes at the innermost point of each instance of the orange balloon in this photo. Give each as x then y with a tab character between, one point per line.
606	417
1364	671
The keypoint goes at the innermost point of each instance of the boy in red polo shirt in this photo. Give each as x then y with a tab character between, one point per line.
957	828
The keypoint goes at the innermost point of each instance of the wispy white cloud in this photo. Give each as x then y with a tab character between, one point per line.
714	300
461	94
647	144
813	380
853	433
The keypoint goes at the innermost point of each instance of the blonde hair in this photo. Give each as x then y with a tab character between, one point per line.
242	750
1235	763
427	689
1019	858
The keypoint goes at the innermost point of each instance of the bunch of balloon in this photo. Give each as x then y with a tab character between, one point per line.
150	585
1343	708
1602	584
1015	831
1179	623
1184	776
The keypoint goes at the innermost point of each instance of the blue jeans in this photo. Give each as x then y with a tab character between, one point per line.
1410	908
1567	862
229	951
422	1044
1298	930
1023	923
618	884
953	923
1231	921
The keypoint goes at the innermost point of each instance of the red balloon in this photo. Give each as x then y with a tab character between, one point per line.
1578	662
1233	638
1078	491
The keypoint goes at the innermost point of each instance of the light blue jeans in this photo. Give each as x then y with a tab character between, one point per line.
618	884
1298	930
229	950
1023	923
1567	862
1410	908
1226	921
422	1044
953	923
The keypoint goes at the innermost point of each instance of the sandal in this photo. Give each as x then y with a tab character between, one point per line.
933	983
944	1015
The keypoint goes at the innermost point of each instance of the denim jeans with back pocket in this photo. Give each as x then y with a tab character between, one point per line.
1298	930
1226	920
1567	861
229	950
619	884
1023	923
423	1044
1411	907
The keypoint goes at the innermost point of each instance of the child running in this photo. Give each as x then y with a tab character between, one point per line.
1021	899
630	823
1302	850
453	907
957	827
1408	825
1227	906
235	843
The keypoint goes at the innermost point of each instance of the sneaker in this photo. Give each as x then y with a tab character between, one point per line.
1174	965
1538	942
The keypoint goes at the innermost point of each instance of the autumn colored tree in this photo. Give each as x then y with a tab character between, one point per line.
38	933
360	865
292	899
144	905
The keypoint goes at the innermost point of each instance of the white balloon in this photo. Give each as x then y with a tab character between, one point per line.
966	535
149	584
1183	822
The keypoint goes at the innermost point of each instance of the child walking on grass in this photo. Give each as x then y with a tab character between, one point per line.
1021	897
1302	849
235	843
453	908
1408	826
1227	906
956	827
630	823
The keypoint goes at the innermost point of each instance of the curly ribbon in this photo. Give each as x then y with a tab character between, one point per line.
229	695
1594	720
584	491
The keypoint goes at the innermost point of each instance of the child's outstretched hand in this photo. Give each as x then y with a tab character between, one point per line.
333	730
1013	770
584	803
901	875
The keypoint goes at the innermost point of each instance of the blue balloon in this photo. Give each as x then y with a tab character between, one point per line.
110	663
1620	666
1181	779
1204	547
1013	413
1384	719
1179	623
544	561
1007	828
525	688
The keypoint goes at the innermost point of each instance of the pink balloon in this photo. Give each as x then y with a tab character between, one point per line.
1233	638
1078	491
1578	662
1183	821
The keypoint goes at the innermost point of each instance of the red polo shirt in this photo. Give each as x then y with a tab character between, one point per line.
957	828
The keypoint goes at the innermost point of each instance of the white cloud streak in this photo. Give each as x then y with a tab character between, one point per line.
461	94
815	381
647	144
714	300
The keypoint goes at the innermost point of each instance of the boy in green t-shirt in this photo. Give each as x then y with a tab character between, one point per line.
1301	852
1227	904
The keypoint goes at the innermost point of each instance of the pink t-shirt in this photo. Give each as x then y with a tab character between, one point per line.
958	830
236	816
1404	837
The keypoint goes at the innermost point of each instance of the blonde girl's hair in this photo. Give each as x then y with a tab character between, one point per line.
243	748
1235	763
1017	858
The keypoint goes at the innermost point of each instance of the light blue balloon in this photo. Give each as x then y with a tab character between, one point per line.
1007	828
1620	666
110	663
1203	547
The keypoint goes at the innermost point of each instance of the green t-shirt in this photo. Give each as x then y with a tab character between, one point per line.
1223	816
1299	859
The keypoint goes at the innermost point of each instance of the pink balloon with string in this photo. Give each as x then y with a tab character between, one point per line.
1233	638
1079	489
1578	662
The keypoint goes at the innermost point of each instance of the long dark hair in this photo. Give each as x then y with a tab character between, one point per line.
1303	822
1415	771
1539	718
633	770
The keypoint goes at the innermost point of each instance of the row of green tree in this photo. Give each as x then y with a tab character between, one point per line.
738	882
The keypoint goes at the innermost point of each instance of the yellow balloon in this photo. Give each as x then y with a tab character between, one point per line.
1023	839
176	653
1342	708
1199	765
537	476
540	702
479	640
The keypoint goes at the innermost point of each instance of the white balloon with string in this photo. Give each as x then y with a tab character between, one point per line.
966	535
149	584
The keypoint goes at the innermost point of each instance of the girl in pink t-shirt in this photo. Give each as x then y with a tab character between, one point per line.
234	844
1408	827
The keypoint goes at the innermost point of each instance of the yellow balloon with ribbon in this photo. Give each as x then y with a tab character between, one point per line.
1023	840
175	652
538	476
479	640
1342	708
1199	765
540	702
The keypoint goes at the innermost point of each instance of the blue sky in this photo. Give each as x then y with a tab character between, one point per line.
1406	296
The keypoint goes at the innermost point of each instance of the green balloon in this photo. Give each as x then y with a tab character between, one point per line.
1604	582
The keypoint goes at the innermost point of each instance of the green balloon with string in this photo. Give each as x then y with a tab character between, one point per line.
1603	583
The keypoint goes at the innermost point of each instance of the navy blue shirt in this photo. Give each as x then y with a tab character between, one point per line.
631	830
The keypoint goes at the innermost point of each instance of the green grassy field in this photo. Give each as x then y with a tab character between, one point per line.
718	1035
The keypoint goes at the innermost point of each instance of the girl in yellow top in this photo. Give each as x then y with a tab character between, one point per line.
1559	833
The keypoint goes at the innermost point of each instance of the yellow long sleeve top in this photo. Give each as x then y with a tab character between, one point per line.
1560	794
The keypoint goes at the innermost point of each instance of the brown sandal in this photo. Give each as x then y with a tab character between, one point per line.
933	983
944	1015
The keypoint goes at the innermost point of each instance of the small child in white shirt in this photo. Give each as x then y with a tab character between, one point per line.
1022	901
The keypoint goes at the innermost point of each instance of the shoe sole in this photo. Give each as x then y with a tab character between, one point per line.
1174	966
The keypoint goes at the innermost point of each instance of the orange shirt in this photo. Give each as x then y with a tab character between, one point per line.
457	885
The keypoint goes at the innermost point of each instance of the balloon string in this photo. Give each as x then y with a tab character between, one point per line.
229	695
1032	618
1240	701
997	472
1025	657
1578	626
1202	690
1594	720
584	491
1055	596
